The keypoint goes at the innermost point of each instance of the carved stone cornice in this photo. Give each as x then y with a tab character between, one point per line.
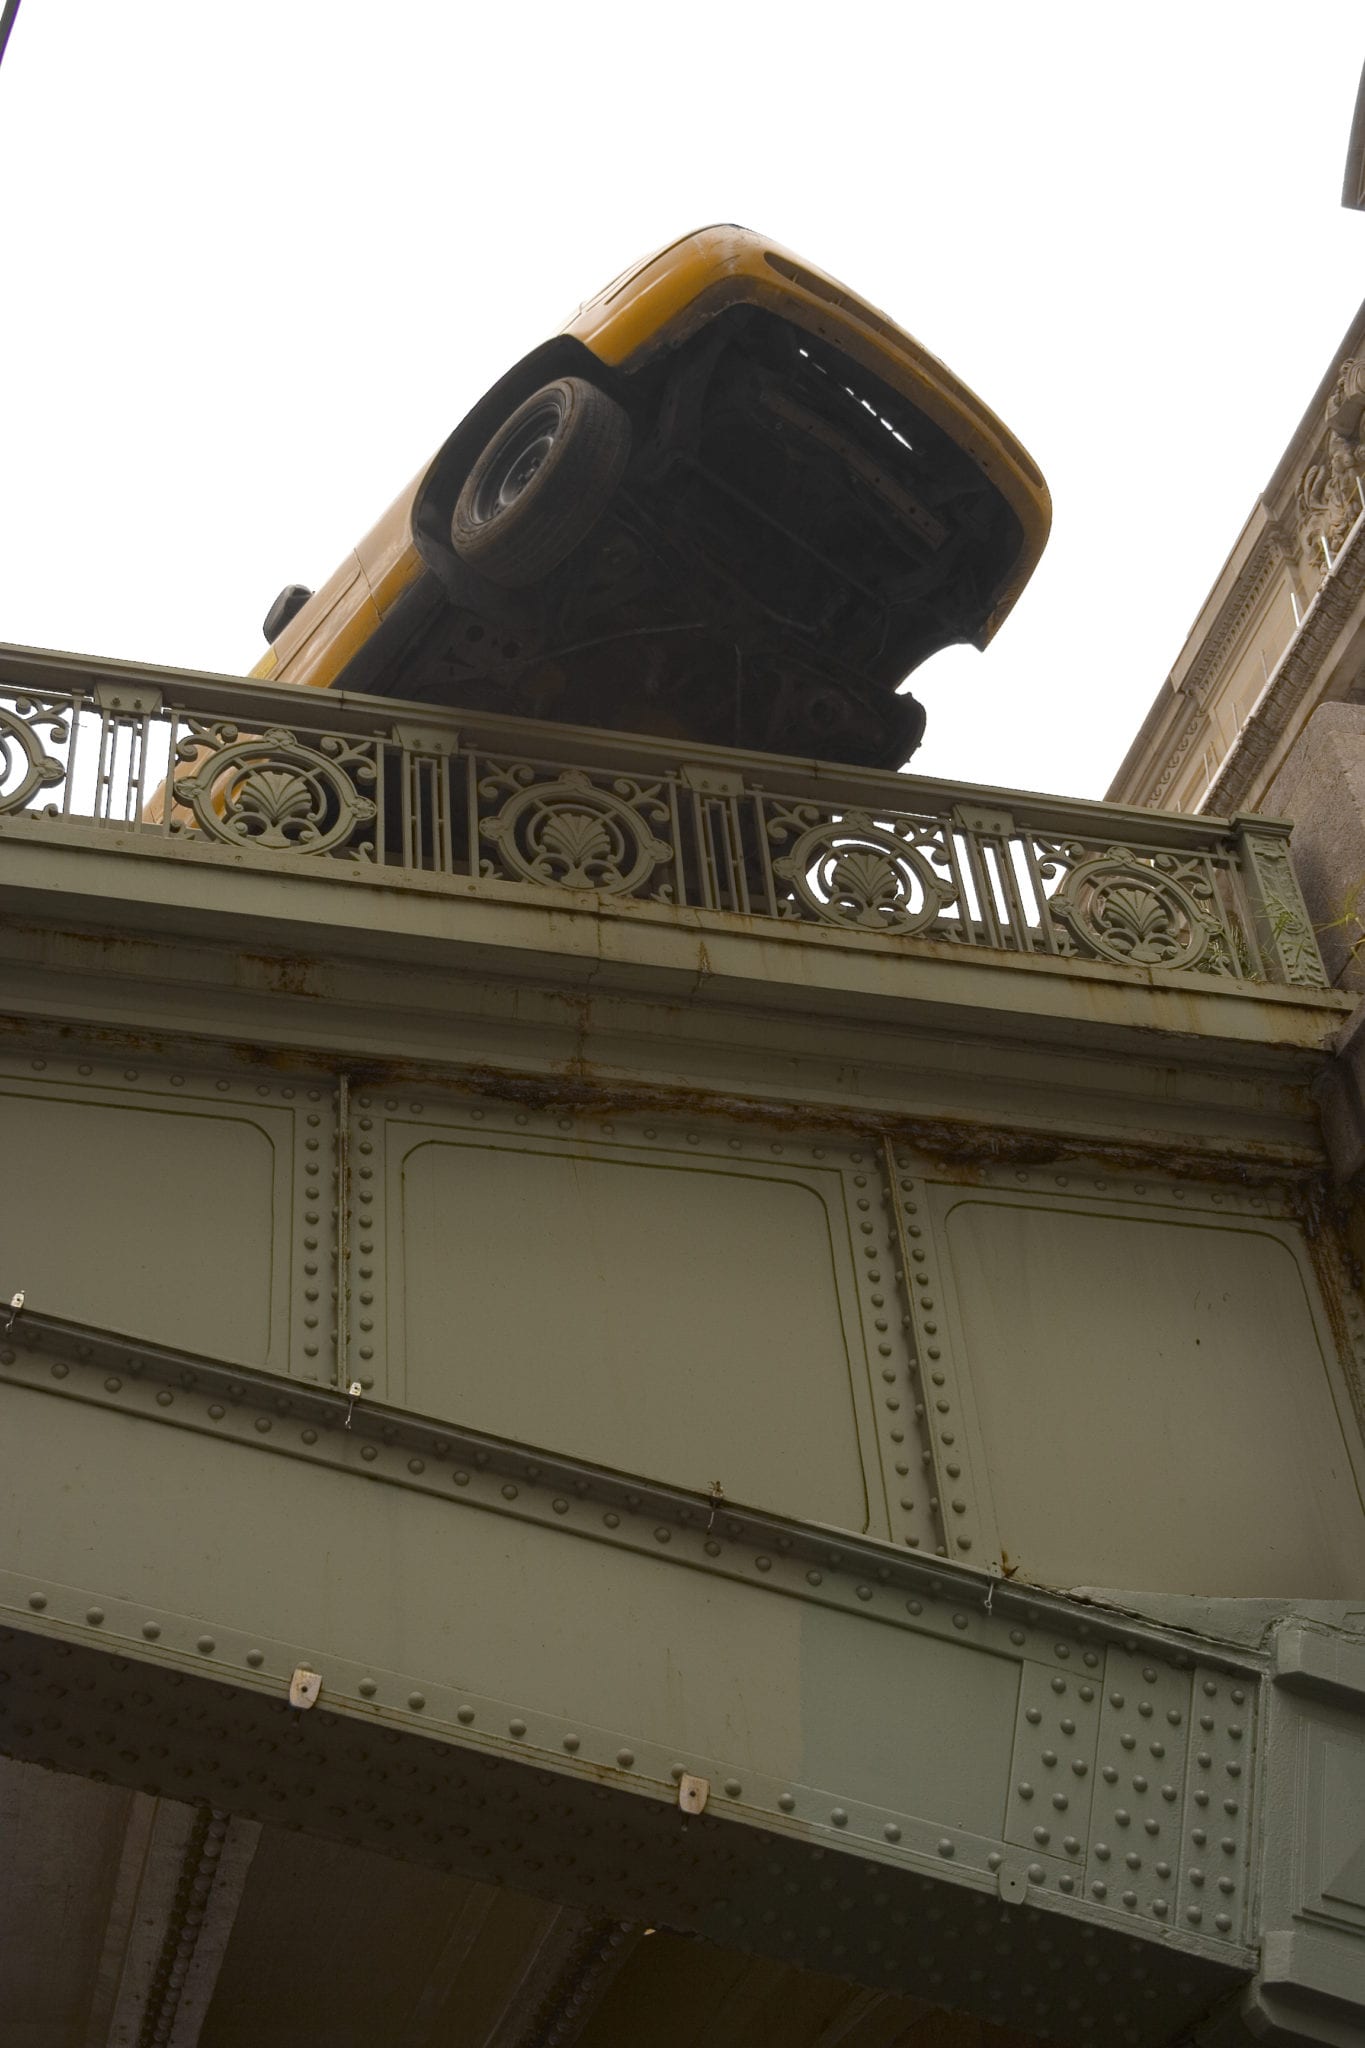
1233	615
1186	733
1291	686
1308	507
1167	742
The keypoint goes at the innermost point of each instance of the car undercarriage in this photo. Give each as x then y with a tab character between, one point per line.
783	542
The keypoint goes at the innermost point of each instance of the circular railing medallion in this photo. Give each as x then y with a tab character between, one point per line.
1122	910
580	835
855	872
25	765
273	791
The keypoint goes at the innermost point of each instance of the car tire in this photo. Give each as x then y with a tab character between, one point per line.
542	482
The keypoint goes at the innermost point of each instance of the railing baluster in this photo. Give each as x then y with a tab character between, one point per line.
77	719
948	841
99	796
407	807
706	851
679	849
1002	849
136	797
735	850
472	812
441	776
985	894
1047	929
765	854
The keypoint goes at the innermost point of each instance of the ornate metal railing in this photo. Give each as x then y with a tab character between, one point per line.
386	786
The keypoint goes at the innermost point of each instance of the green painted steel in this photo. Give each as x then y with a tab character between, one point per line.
606	1335
832	1690
795	1321
1171	1370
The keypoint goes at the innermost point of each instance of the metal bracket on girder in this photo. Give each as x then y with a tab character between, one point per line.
304	1687
693	1793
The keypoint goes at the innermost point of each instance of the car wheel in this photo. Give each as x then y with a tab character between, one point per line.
541	483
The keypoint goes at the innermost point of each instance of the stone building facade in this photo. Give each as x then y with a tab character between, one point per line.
1282	632
1264	707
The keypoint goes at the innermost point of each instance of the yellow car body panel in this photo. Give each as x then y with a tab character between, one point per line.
339	617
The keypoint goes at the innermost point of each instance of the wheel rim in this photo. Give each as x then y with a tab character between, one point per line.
516	461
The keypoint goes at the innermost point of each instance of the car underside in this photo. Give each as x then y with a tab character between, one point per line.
781	541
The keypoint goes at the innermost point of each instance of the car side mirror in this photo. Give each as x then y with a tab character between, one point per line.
287	606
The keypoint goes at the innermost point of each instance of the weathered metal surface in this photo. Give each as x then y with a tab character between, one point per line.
151	1165
916	1929
255	771
703	1292
1154	1345
138	941
1014	1365
482	1590
596	1343
968	1741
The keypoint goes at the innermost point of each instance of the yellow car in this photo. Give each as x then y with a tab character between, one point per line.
729	503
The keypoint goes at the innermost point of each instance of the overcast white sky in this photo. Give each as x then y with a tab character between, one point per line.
259	259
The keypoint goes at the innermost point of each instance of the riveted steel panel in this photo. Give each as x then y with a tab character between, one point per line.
694	1300
1135	1850
951	1454
542	1607
1053	1769
1150	1367
536	1636
1217	1820
189	1204
833	1690
1075	1976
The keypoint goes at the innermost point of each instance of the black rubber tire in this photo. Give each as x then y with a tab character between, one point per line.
542	482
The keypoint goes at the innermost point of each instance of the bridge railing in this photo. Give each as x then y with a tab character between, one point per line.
390	787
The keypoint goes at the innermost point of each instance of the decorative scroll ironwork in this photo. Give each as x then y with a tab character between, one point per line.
26	766
576	831
856	871
275	792
257	768
1161	912
995	883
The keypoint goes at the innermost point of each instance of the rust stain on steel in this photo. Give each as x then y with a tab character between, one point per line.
286	974
966	1148
176	1050
1324	1216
